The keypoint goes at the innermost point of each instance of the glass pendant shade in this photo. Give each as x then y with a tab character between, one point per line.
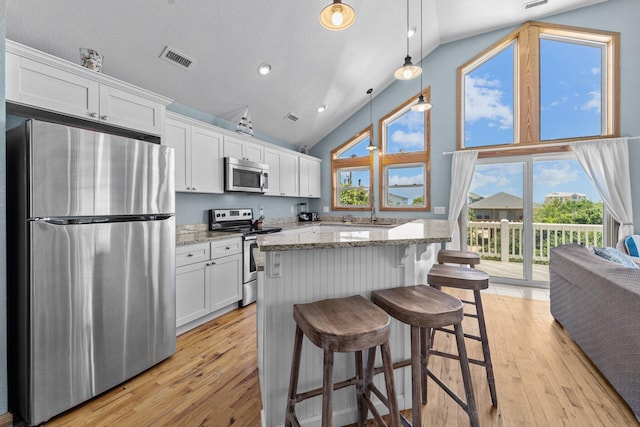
337	16
421	105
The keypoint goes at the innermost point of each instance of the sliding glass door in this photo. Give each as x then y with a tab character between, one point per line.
521	207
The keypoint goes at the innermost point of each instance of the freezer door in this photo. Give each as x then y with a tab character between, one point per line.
102	308
78	172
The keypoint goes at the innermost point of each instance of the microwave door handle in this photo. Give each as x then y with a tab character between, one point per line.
262	174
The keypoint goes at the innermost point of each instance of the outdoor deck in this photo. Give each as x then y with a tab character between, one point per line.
512	270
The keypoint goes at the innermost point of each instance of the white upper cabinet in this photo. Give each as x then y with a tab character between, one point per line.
283	172
243	149
40	80
198	158
309	177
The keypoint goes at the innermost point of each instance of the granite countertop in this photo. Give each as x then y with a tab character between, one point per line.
187	238
418	231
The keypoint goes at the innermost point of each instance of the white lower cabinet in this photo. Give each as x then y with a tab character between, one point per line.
207	289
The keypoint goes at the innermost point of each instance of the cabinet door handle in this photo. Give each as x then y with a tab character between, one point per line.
194	189
189	255
94	115
227	248
104	117
188	188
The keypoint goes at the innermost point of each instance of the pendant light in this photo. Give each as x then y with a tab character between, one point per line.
421	105
408	71
371	147
337	16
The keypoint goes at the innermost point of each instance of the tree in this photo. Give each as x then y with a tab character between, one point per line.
559	211
418	201
350	196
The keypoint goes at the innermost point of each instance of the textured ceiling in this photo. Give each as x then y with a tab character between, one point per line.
228	39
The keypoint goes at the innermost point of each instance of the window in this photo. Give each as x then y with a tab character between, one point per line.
404	158
351	173
543	83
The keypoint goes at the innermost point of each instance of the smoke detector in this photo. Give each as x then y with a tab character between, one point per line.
176	58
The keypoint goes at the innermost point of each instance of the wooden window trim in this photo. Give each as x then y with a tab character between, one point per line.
527	77
413	157
354	162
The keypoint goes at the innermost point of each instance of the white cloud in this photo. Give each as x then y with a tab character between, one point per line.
595	70
483	100
406	180
481	180
408	139
554	176
594	103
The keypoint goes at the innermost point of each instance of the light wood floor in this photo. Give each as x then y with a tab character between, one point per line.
542	378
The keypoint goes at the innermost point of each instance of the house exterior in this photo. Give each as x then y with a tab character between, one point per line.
566	197
497	207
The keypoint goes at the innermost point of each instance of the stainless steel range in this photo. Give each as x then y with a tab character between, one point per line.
242	221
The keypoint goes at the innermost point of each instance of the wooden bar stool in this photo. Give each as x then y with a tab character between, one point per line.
458	257
351	324
470	279
423	308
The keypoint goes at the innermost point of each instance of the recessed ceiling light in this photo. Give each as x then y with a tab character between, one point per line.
264	69
411	32
322	108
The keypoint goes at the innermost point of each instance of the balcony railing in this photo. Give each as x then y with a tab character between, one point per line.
502	240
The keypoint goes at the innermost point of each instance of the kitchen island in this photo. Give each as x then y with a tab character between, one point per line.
310	266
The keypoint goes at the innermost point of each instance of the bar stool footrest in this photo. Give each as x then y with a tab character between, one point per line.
456	357
450	392
449	331
336	386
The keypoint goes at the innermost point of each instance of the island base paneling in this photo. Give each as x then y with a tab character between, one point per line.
302	276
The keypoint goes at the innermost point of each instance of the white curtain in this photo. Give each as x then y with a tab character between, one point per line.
462	166
606	162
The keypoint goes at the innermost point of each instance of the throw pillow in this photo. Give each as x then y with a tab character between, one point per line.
632	243
614	255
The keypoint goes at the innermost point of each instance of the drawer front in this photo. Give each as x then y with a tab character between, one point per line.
226	247
190	254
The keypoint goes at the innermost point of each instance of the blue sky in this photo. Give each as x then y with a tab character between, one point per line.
548	177
570	102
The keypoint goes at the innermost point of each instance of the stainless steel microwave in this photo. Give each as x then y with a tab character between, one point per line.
246	176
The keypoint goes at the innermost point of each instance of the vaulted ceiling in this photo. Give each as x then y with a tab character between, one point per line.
229	39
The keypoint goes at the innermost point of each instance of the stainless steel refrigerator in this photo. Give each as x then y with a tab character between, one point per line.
91	267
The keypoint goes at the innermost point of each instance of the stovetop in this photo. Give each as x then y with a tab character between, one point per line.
238	221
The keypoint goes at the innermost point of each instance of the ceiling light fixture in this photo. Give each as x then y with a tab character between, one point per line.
322	108
371	147
408	71
337	16
264	69
421	105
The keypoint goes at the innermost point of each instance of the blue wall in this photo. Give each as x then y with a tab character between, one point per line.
440	72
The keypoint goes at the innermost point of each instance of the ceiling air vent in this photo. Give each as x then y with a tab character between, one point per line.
528	4
176	58
291	117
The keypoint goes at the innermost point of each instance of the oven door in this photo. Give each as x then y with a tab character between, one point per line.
249	272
